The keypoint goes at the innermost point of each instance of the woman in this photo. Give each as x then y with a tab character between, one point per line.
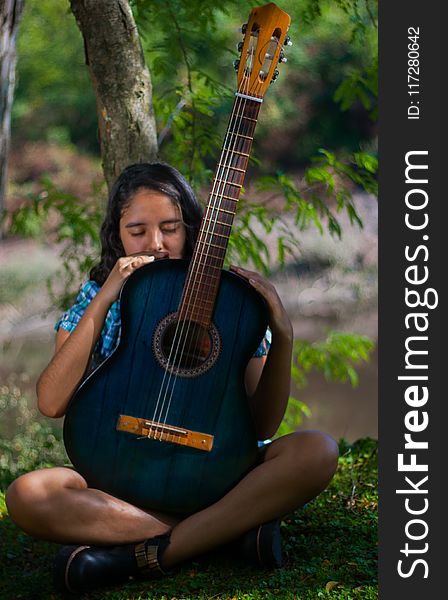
153	213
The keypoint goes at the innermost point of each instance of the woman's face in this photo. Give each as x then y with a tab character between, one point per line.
152	223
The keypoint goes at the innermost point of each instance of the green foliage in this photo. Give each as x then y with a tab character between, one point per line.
335	357
295	411
75	226
54	99
27	441
200	61
360	83
318	565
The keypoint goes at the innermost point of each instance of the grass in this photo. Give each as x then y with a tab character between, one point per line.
330	549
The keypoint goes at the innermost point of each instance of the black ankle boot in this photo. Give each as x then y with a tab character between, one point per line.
262	545
85	568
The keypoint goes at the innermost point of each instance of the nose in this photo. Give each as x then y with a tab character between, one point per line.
155	241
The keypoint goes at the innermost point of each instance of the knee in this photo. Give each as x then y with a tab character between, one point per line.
318	452
27	501
25	494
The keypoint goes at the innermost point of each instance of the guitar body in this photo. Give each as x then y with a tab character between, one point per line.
164	422
208	398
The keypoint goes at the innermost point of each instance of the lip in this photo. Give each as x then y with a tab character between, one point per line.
160	255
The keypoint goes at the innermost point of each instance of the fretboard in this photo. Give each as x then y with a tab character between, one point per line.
201	286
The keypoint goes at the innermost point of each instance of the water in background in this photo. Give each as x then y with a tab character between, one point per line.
337	409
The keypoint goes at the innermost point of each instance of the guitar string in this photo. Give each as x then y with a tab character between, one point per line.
215	206
210	209
237	130
197	257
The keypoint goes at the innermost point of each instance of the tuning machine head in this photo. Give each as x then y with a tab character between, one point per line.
243	28
236	64
275	75
287	41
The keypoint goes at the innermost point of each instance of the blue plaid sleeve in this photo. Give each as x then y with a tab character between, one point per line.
111	329
263	348
71	317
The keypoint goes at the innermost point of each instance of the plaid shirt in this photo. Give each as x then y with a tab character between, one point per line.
110	334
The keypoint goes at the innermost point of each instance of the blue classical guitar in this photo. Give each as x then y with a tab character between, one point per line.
164	422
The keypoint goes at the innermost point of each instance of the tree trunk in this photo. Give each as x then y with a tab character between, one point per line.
10	11
121	81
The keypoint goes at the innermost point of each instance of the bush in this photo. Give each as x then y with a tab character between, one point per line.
27	440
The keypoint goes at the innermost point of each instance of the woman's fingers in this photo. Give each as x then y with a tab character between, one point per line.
278	318
266	288
128	264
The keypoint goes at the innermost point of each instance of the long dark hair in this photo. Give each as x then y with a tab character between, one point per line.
158	177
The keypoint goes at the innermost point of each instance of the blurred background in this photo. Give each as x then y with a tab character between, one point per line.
324	99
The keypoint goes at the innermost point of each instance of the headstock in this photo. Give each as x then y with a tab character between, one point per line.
262	49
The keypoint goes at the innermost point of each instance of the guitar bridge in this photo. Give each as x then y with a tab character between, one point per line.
163	432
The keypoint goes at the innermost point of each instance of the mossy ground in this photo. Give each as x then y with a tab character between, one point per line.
330	547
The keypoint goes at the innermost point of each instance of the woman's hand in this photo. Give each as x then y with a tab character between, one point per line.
278	318
120	272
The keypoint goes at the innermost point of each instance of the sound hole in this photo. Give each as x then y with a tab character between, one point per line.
185	348
186	344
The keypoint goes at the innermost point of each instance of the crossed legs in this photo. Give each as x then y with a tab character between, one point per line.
56	504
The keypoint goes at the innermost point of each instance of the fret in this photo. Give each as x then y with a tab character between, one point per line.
223	197
211	232
209	244
236	152
229	176
218	234
212	211
199	297
240	145
229	183
220	196
240	162
238	120
247	137
203	301
208	255
243	129
228	212
204	243
216	221
233	168
215	268
216	246
202	282
195	283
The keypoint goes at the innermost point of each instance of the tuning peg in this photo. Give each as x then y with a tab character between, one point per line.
275	75
243	28
287	41
240	46
236	64
282	58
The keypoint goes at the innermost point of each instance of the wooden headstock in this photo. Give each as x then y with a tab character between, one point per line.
261	49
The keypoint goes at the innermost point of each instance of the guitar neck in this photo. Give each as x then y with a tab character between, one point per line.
201	286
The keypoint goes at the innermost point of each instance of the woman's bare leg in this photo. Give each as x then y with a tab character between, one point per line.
57	505
296	468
